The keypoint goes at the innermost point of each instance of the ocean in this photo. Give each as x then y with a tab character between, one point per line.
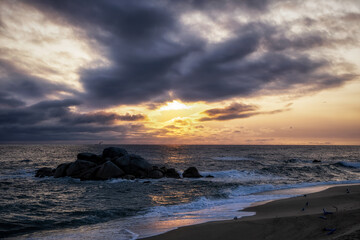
66	208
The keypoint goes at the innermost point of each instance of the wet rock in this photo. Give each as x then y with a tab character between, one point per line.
90	174
156	174
122	162
109	170
77	168
26	160
60	171
114	152
209	176
163	169
90	157
172	173
191	172
139	162
44	172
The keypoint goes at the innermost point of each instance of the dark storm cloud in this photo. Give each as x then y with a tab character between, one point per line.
101	117
153	54
6	100
235	111
255	5
53	120
19	84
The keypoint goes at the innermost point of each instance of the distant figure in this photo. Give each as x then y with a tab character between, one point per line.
347	190
235	218
307	204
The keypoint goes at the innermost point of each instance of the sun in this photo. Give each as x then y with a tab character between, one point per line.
174	105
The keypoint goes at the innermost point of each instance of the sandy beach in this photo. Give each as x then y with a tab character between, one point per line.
330	214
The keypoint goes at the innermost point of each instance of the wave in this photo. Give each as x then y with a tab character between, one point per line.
238	176
349	164
229	158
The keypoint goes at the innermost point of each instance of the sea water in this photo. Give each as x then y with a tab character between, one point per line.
66	208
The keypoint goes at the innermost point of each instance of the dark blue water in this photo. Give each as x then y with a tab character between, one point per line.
36	208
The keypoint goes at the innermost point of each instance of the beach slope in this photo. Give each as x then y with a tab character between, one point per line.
330	214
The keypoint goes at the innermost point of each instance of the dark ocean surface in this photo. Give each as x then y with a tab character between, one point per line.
48	208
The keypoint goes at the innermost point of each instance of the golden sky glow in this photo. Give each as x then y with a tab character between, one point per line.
47	46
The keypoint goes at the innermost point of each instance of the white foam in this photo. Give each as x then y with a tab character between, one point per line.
237	176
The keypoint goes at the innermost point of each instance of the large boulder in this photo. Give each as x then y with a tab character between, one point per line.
191	172
77	168
172	173
90	174
44	172
122	162
139	162
114	152
90	157
109	170
60	171
156	174
135	165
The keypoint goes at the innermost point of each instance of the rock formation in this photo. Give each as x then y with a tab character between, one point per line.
113	163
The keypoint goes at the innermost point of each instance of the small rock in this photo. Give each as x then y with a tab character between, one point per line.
156	174
209	176
191	172
172	173
316	161
44	172
26	160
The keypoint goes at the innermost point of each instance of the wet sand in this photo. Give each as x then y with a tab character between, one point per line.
300	217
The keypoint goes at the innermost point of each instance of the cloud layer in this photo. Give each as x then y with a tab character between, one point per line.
152	52
158	51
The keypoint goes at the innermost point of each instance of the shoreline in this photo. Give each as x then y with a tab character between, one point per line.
290	218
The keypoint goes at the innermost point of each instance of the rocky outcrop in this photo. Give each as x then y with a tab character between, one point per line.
113	152
44	172
156	174
172	173
191	172
122	162
60	171
109	170
78	168
90	157
113	163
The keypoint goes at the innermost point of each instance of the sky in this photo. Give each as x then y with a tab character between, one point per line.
180	72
